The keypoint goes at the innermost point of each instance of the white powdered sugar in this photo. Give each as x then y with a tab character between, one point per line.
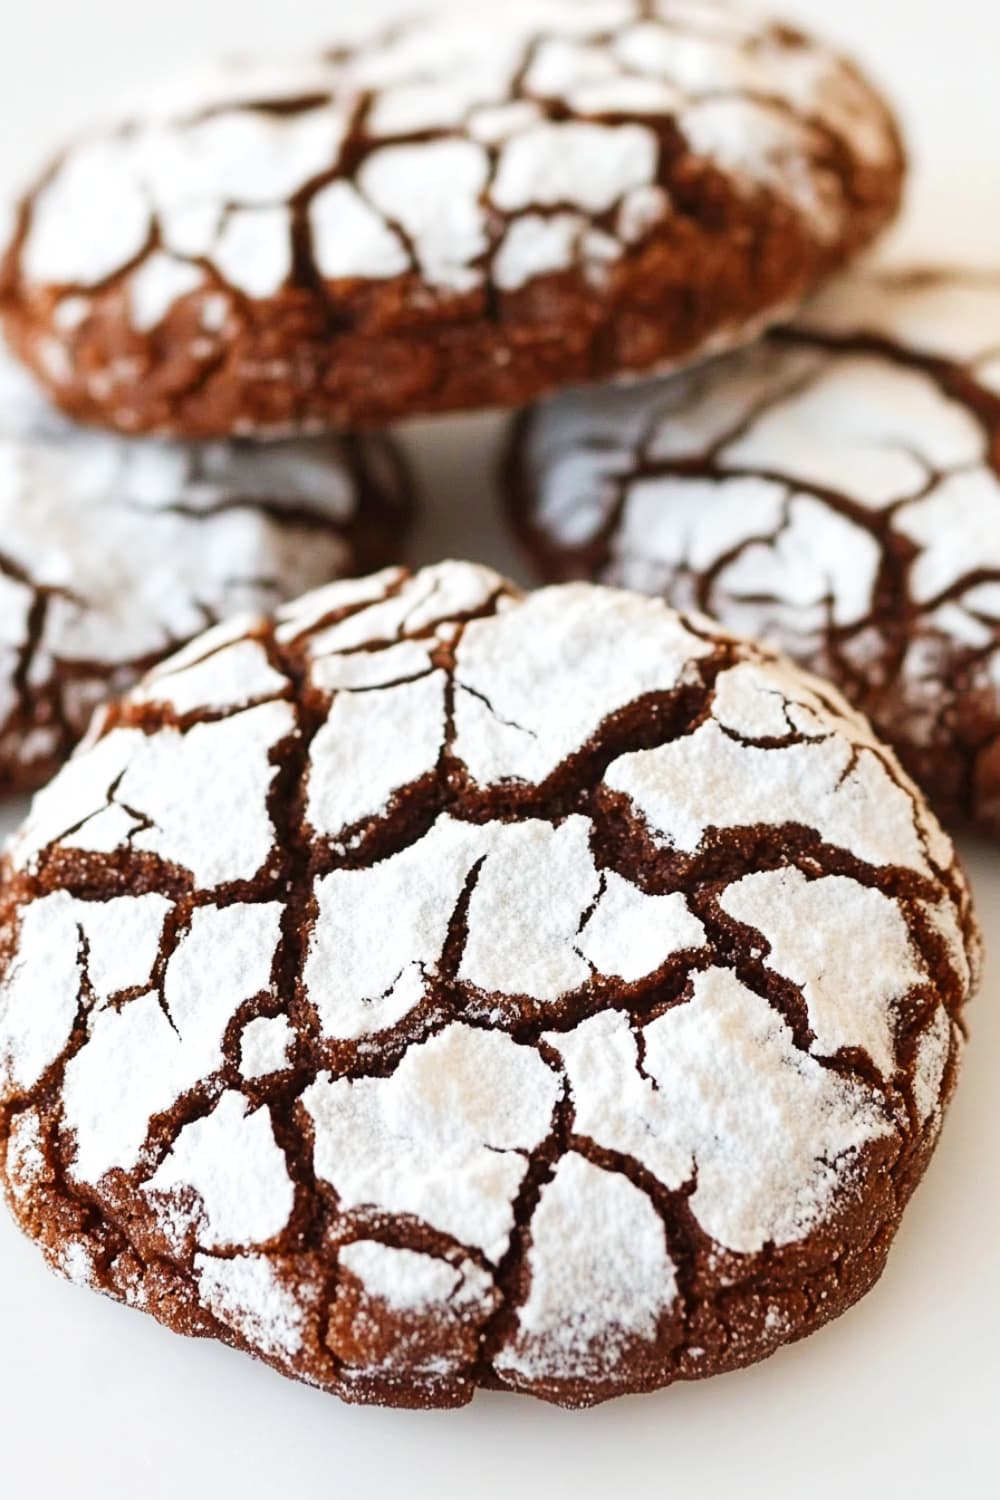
397	605
934	1051
629	934
863	428
435	1307
533	951
944	918
227	677
820	567
772	1133
231	1160
538	882
158	283
614	1103
65	944
407	1280
25	1163
837	784
127	549
535	246
157	1047
253	250
407	184
957	530
817	491
846	946
762	147
724	1095
563	1329
362	974
244	1292
390	667
590	165
265	1046
76	1263
344	787
540	922
91	218
78	794
437	1144
521	725
434	193
197	799
47	962
351	239
122	942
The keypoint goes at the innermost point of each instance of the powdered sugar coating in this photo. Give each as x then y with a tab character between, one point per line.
934	1051
437	1145
115	552
835	490
164	1041
25	1159
246	1293
439	1307
223	834
407	1279
265	1046
511	1066
459	152
841	974
48	957
231	1161
629	1262
761	1176
723	1100
193	160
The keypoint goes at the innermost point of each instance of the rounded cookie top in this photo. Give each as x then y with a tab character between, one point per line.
836	490
548	992
475	208
115	552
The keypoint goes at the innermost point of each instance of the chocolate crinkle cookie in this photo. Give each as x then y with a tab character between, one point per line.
114	552
545	992
836	489
480	206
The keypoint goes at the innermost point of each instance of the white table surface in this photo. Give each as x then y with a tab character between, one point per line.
900	1397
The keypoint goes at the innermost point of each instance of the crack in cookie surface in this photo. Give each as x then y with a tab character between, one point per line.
466	211
836	491
115	553
576	1032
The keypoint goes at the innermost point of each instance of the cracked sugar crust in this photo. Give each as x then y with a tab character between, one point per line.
471	210
115	552
836	490
546	992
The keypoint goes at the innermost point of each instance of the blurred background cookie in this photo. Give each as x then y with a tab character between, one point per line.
114	552
473	210
836	489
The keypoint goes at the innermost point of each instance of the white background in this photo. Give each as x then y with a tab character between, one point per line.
900	1397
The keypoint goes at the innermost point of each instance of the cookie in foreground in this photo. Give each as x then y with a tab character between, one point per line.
115	552
434	987
835	490
481	206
